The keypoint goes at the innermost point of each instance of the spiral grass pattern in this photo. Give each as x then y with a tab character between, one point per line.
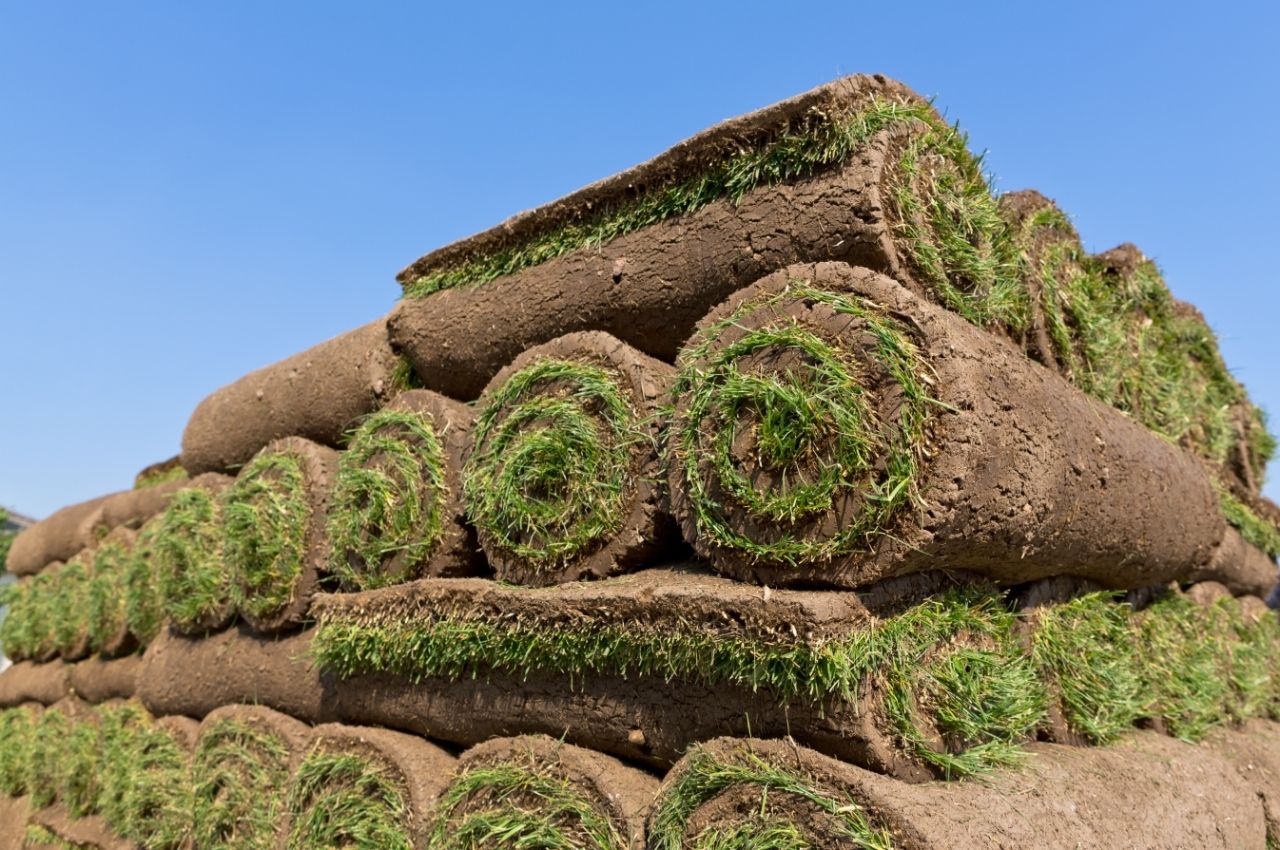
514	804
393	511
774	793
264	525
562	446
196	590
799	425
143	605
237	770
69	607
342	799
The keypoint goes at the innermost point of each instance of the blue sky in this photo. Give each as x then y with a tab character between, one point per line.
188	193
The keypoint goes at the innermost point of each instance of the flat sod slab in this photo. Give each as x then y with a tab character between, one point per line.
1147	791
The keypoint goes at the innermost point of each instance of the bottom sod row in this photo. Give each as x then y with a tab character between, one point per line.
249	778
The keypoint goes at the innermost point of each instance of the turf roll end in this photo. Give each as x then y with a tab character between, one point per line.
195	589
397	511
561	478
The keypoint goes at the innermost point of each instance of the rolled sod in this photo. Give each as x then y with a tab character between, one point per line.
318	394
132	508
364	788
49	734
181	552
27	631
69	607
832	427
274	539
396	511
155	803
242	762
31	681
17	728
55	538
160	473
860	170
933	688
1050	258
107	595
1148	792
538	791
1241	566
98	679
561	478
192	676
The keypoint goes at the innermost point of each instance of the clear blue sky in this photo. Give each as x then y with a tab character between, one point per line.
186	195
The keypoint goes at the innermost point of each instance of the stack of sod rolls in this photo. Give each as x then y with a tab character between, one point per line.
790	490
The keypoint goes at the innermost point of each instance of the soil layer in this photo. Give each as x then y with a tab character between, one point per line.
31	681
56	538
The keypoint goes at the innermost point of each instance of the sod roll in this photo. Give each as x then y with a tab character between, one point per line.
13	810
1147	792
193	676
396	512
317	394
69	608
242	762
832	427
179	559
535	791
161	472
56	538
860	170
28	629
107	595
1239	565
1049	259
30	681
274	539
98	679
132	508
155	803
363	787
561	479
17	725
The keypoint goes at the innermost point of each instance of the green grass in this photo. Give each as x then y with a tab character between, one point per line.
1085	649
46	750
265	514
108	593
120	724
143	605
704	776
1252	527
756	834
403	377
79	775
238	771
16	638
69	605
6	539
814	430
389	497
347	800
157	797
551	468
17	727
519	806
195	584
162	475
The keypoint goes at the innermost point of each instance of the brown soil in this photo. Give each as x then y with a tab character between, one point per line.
1028	477
1017	208
132	508
195	676
1254	750
85	833
98	679
650	287
1239	565
1147	791
421	768
456	553
318	394
621	794
14	815
318	465
646	531
56	538
30	681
